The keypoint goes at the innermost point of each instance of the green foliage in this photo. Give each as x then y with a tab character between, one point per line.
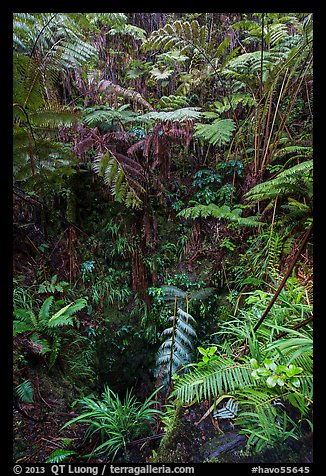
297	179
172	101
25	392
218	133
223	212
176	350
123	176
117	422
215	378
52	286
177	115
60	455
44	327
178	35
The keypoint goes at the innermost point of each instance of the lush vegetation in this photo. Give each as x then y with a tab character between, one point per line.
163	196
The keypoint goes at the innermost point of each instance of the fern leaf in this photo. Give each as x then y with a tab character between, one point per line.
123	175
172	102
65	315
25	391
218	133
178	115
45	309
288	181
59	455
223	212
216	378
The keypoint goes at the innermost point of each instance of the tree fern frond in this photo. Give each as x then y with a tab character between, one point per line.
178	115
288	181
172	101
185	36
223	212
218	133
123	175
112	88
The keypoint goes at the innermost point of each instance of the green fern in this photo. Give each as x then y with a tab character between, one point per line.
262	420
25	391
176	350
59	455
218	133
172	101
123	176
66	314
217	377
223	212
182	36
111	88
177	115
297	178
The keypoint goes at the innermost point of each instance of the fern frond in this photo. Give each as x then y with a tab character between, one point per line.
19	327
223	212
178	115
218	133
59	455
183	36
25	391
123	175
218	377
112	88
172	102
65	315
288	181
44	312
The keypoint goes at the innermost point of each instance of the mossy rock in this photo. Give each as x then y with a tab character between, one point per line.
181	443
